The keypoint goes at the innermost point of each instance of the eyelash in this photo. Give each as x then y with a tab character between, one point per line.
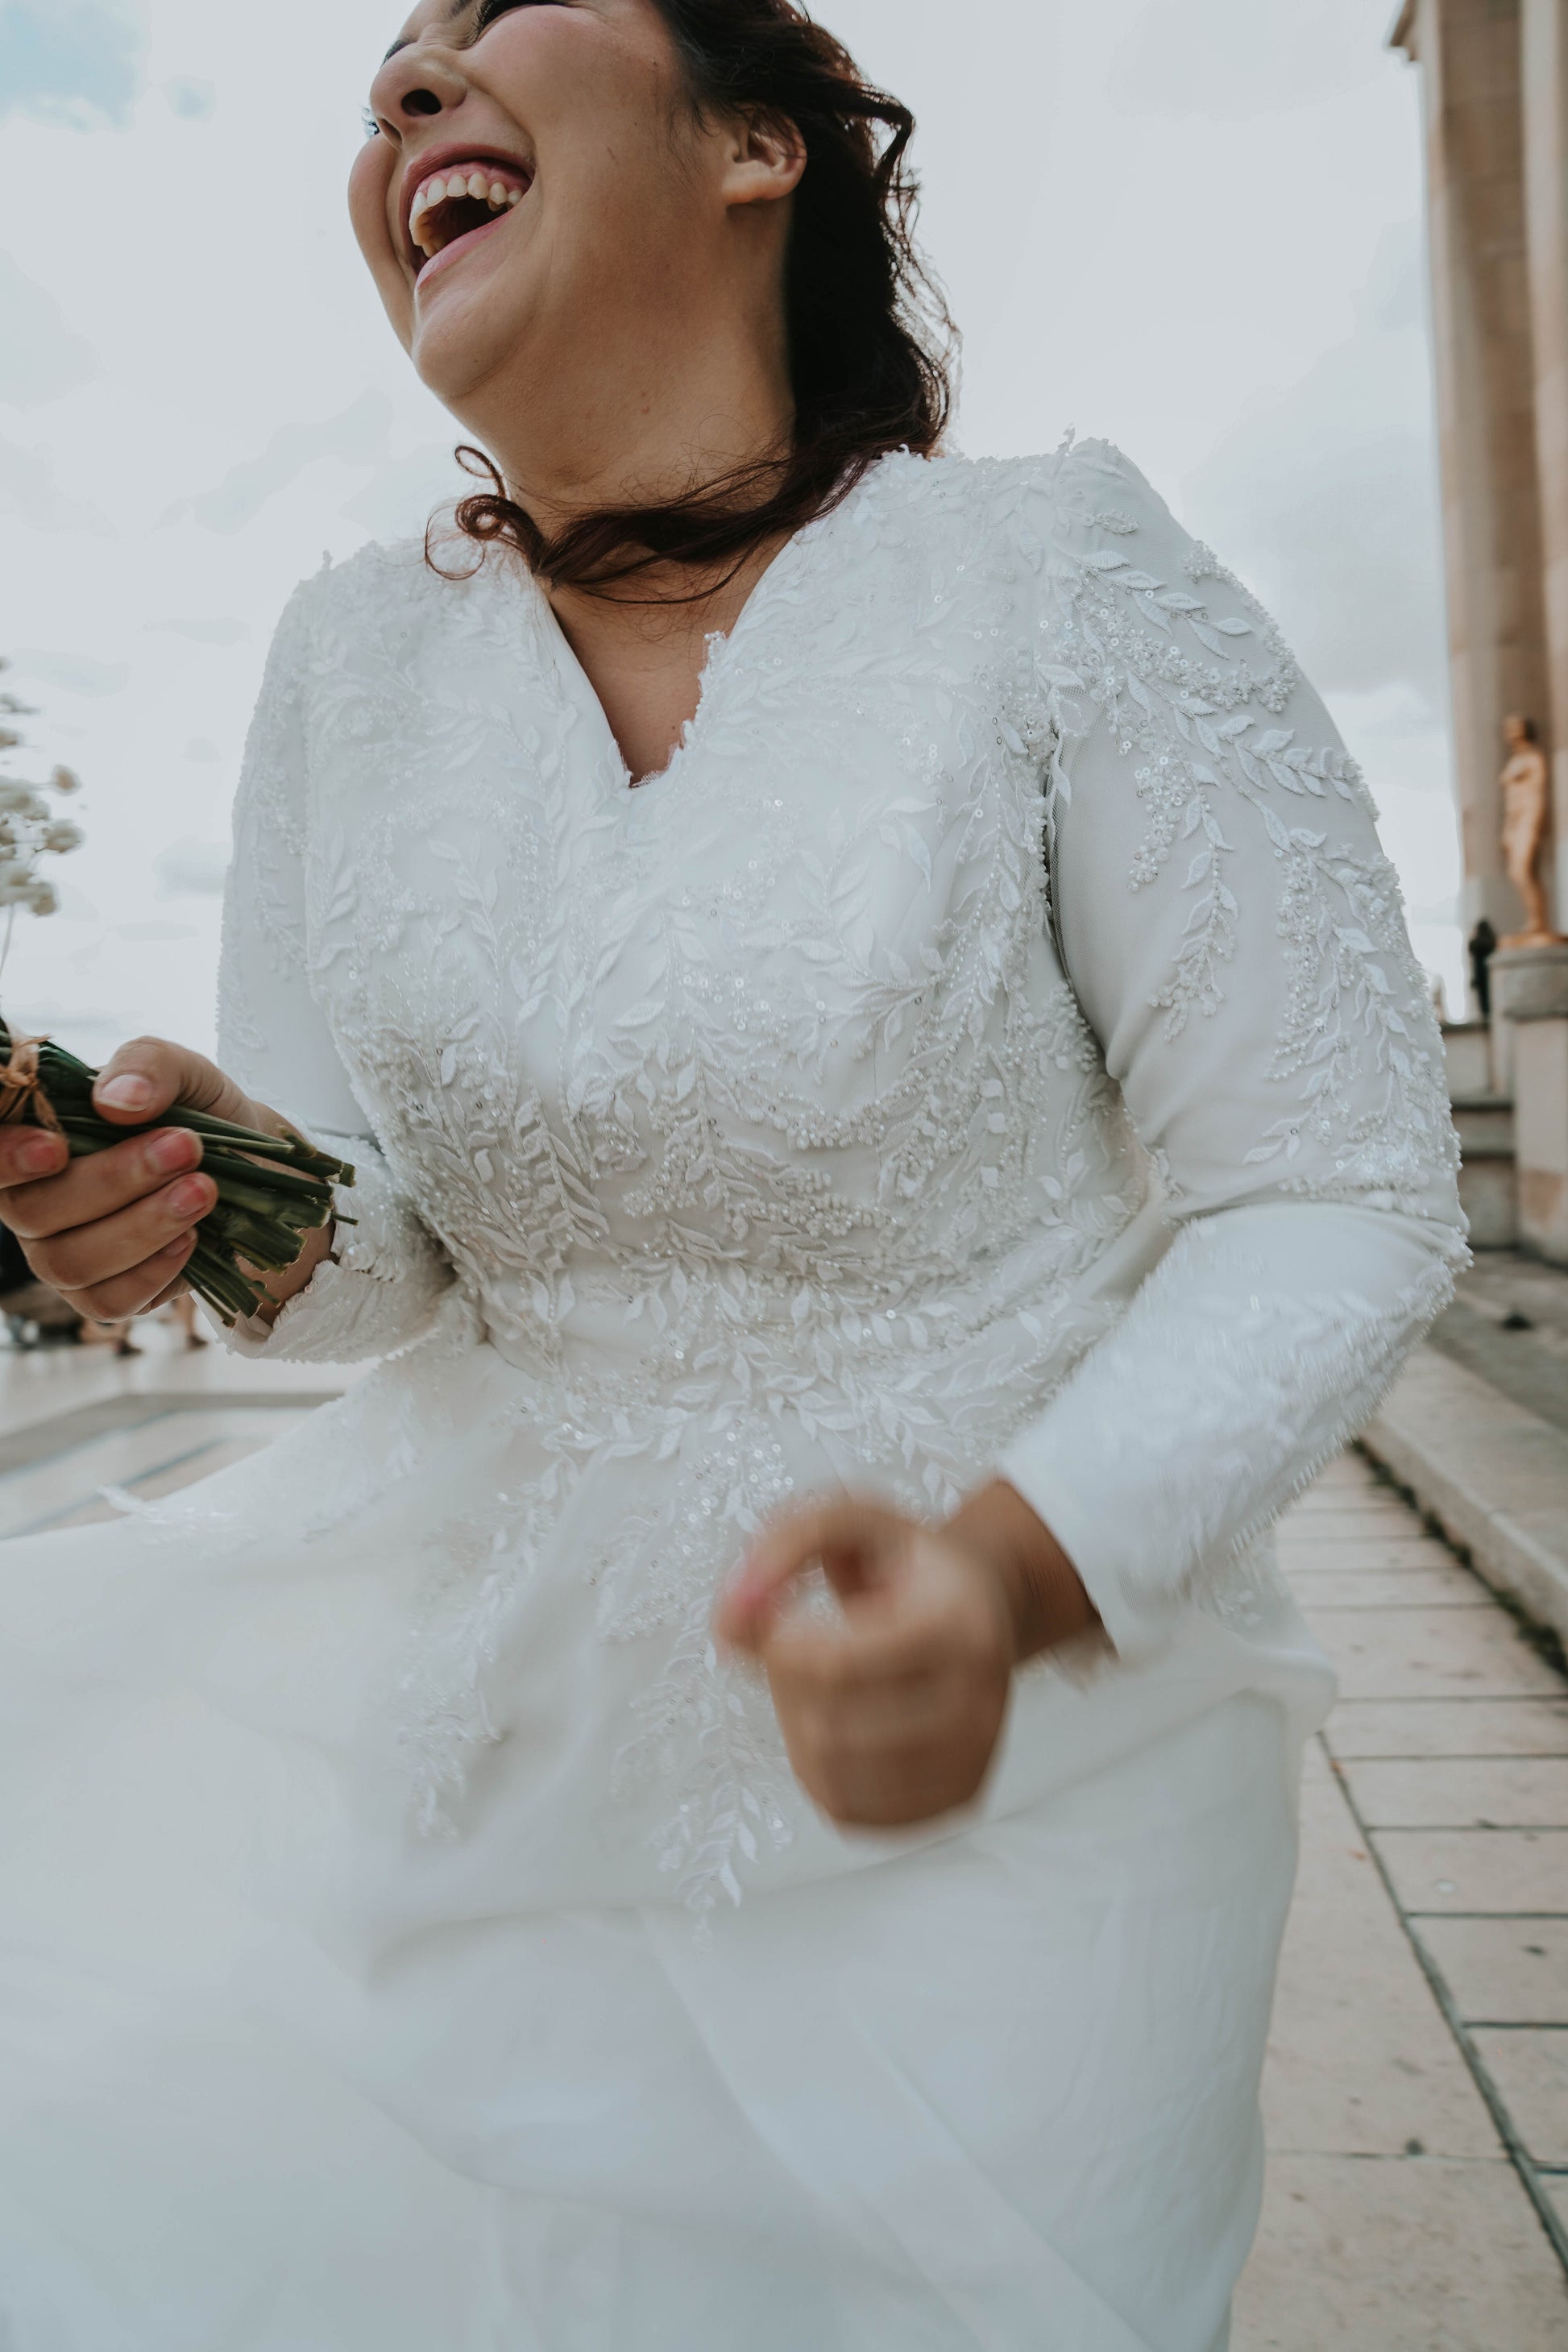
493	9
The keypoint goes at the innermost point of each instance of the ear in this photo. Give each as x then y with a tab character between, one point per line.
765	160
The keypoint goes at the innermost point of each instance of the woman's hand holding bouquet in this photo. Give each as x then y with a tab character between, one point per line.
185	1200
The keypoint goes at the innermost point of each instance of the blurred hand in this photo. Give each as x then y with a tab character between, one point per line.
113	1233
892	1714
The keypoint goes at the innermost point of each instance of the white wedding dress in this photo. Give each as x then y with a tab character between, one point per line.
991	1045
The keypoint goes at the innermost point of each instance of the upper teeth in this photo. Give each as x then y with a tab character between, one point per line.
484	185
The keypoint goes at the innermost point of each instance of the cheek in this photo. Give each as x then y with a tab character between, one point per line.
370	185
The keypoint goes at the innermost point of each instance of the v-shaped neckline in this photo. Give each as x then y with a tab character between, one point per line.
574	682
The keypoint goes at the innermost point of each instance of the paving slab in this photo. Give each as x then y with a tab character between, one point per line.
1530	2066
1298	1556
1494	1473
1378	1523
1438	1585
1502	1971
1503	1872
1426	1727
1411	2256
1432	1652
1471	1792
1360	2062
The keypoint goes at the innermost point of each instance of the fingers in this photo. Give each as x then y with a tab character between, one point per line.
840	1535
139	1289
98	1185
896	1755
87	1255
26	1153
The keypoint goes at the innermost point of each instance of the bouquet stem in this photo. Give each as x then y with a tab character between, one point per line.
272	1190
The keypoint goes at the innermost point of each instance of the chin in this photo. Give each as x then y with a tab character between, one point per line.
463	345
469	324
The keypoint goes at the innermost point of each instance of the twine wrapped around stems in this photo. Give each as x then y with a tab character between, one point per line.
272	1190
22	1101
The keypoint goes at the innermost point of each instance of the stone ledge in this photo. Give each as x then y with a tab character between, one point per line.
1492	1474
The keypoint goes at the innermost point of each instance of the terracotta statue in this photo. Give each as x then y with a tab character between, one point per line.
1526	801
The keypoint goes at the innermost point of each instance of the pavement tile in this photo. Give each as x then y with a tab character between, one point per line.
1491	1871
1556	2188
1530	2068
1360	2062
1432	1652
1440	1585
1349	1471
1378	1523
1523	1792
1299	1554
1425	1726
1502	1971
1410	2256
1338	1492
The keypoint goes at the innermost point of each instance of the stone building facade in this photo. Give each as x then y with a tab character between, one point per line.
1494	77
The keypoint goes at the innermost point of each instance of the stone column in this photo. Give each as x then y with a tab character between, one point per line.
1545	68
1530	1005
1472	88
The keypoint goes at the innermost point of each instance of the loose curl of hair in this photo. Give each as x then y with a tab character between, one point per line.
872	347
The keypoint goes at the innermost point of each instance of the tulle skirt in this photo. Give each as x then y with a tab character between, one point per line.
354	2003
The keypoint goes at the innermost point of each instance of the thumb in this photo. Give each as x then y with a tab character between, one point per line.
148	1077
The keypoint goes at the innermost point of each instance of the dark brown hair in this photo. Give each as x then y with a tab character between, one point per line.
871	344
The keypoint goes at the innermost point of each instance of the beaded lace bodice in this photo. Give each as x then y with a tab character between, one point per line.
993	1041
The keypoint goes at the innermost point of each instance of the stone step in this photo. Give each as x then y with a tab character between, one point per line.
1488	1182
1486	1125
1467	1049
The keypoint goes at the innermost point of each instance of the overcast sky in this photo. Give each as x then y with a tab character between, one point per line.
1191	226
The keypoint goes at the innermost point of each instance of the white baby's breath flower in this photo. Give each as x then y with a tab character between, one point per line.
29	830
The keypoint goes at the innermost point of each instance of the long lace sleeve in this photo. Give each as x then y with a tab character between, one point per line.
380	1288
1236	937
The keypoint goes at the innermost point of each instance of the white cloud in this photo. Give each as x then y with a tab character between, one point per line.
192	869
1325	497
30	491
76	62
398	500
1238	58
40	356
192	100
154	934
77	673
357	434
202	633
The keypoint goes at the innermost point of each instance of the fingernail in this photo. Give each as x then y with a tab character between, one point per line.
190	1198
127	1093
39	1155
169	1153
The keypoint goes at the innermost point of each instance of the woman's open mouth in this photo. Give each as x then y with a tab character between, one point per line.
453	207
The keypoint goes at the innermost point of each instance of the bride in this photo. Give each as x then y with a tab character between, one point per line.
738	1790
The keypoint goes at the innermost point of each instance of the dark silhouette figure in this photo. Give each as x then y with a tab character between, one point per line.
1483	947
